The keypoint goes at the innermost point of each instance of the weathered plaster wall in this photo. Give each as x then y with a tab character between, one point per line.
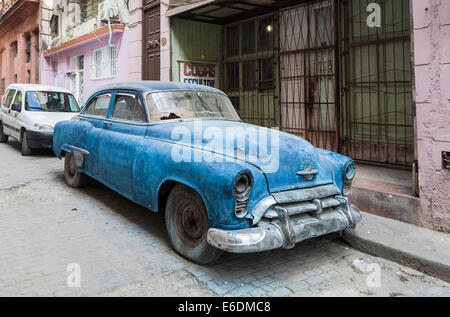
135	40
431	32
165	43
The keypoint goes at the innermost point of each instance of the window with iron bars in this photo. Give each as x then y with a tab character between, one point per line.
251	45
248	69
104	62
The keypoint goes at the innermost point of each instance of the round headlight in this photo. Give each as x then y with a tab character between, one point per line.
243	186
350	171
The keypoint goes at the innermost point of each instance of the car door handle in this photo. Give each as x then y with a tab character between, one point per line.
107	124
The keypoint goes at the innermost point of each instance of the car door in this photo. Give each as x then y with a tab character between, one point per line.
15	114
6	118
91	129
124	129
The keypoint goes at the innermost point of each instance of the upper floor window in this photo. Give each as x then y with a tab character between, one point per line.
28	48
14	48
54	25
104	62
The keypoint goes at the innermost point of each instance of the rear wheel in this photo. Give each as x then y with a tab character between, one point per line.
187	224
26	150
73	177
3	137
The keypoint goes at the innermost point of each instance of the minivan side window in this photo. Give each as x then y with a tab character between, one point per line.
9	98
99	105
18	99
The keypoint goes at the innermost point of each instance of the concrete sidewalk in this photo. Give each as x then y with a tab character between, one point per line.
419	248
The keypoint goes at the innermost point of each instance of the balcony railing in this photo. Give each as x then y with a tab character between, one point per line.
5	5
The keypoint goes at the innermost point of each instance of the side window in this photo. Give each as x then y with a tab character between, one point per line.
128	107
9	97
18	99
99	105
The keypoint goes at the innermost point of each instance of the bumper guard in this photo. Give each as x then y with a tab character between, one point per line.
286	230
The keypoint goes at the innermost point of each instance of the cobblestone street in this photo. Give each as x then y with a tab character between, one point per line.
123	250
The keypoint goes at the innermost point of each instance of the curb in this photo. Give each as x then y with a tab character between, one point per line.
424	250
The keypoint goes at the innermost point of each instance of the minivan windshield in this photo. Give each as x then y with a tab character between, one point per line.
50	101
190	105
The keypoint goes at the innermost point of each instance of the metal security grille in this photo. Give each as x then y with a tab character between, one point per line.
376	114
308	94
250	69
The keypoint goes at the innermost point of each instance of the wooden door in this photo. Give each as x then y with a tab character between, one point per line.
151	41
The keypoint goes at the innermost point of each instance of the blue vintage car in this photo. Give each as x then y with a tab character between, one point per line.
223	184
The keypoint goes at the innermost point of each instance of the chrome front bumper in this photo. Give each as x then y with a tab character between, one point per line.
286	230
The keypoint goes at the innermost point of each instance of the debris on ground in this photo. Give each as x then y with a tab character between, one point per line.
361	265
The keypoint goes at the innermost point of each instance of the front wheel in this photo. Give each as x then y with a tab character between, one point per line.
187	225
26	150
73	177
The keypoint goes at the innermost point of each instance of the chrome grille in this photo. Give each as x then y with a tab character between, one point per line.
241	208
303	207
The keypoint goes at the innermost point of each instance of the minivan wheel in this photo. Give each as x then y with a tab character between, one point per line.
187	225
72	176
3	137
26	150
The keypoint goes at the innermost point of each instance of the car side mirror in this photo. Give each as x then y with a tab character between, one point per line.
15	107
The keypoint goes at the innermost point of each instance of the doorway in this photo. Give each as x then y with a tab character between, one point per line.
151	53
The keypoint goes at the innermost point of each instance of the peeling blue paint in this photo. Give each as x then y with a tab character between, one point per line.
136	159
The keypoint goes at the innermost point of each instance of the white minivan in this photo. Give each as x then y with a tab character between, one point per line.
29	112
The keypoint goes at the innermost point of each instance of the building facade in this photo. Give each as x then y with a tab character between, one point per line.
361	77
86	44
19	42
365	78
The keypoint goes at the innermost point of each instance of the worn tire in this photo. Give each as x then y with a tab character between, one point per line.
3	137
72	176
26	150
187	224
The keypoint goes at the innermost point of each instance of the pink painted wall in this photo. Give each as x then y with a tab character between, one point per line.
90	85
135	40
431	53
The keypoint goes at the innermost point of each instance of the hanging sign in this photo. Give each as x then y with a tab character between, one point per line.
201	73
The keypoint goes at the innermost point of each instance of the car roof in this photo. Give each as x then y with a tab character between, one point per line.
153	86
37	87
